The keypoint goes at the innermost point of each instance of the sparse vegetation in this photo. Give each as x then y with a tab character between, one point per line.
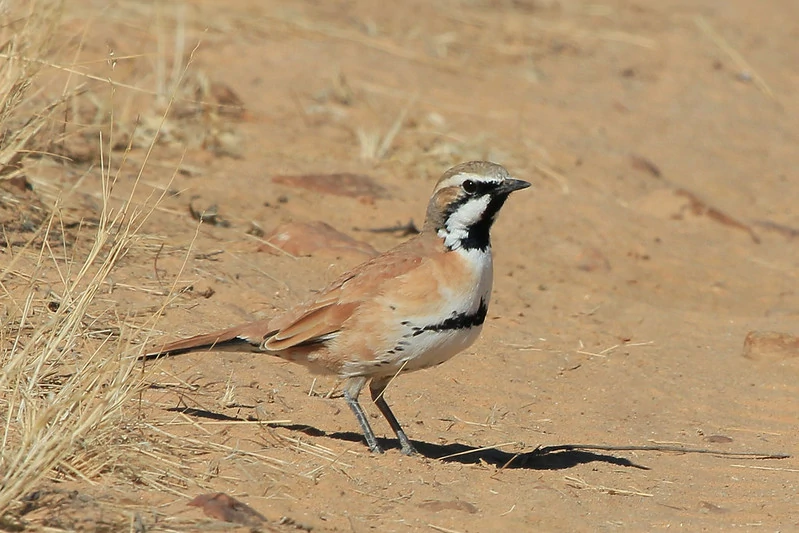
658	242
67	378
71	385
25	35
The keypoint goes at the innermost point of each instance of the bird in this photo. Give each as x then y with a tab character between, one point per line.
412	307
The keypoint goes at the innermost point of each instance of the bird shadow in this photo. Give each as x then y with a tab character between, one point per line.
558	457
204	413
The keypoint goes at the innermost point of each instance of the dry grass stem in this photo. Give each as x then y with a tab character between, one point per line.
25	36
559	178
59	424
375	147
70	368
388	139
276	464
282	422
581	484
478	450
381	45
772	468
734	55
443	529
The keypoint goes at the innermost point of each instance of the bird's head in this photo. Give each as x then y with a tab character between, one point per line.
466	201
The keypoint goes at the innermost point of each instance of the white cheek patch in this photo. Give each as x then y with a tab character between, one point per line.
468	214
456	227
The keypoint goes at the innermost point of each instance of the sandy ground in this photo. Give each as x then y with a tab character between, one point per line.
662	228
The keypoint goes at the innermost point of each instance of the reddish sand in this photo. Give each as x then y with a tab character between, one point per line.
661	230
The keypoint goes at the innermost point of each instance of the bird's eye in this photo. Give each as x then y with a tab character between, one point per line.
469	186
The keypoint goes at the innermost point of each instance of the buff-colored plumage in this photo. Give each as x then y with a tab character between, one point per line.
412	307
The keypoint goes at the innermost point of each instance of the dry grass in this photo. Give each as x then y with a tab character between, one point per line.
746	70
25	38
62	396
70	388
66	384
373	145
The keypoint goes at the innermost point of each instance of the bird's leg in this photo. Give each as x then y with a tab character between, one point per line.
376	387
351	392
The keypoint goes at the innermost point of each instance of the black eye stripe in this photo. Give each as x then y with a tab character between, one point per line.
478	188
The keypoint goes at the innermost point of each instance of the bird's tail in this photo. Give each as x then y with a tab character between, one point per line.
243	338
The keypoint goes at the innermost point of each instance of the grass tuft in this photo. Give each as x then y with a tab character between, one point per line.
25	38
65	385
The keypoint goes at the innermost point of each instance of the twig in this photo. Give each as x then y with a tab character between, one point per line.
782	229
384	46
733	54
767	468
388	139
155	266
581	484
274	247
559	178
403	229
228	423
541	450
442	529
477	450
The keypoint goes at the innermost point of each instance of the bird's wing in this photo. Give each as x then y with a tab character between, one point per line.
317	320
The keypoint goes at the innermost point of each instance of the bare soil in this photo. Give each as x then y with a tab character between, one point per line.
661	139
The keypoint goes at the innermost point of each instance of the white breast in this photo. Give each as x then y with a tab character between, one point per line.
421	343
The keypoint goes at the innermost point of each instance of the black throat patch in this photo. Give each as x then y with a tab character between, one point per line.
478	234
456	321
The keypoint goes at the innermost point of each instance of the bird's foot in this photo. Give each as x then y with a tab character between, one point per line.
408	450
374	447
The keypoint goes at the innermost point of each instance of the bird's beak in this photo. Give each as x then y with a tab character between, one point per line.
510	184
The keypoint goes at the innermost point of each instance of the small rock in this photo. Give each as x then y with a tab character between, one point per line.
20	182
220	506
707	507
228	101
770	346
306	238
340	184
583	257
645	164
448	505
591	259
